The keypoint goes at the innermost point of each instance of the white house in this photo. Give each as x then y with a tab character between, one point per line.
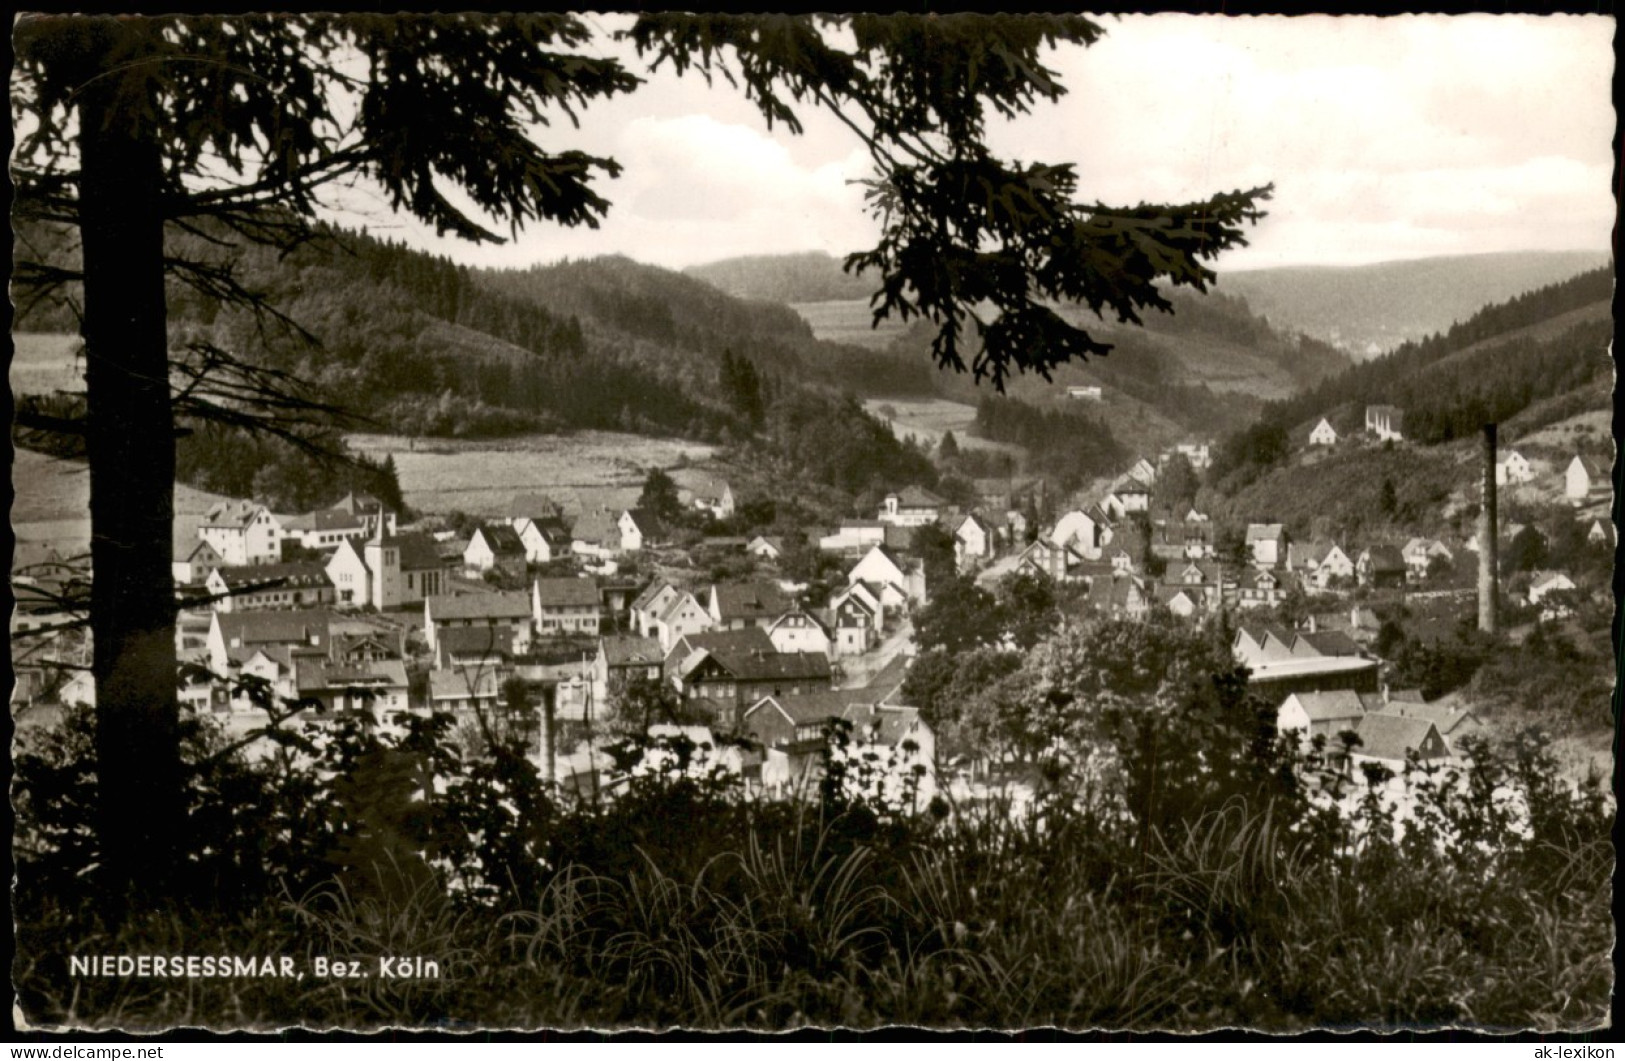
1084	393
853	536
1316	714
682	615
765	548
1086	530
544	539
1266	543
242	532
1419	553
973	540
637	530
648	606
1513	469
493	611
1324	434
1584	474
799	631
495	546
911	507
880	567
1546	582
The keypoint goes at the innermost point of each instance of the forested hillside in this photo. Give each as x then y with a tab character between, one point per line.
415	344
1493	366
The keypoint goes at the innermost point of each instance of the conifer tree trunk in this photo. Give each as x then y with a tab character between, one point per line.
131	450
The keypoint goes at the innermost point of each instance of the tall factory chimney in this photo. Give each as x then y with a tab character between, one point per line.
1488	539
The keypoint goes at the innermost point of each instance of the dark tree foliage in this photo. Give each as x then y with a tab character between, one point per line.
959	616
132	124
660	496
1072	447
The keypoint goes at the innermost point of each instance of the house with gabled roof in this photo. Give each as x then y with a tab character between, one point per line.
735	605
765	547
1602	532
800	631
234	636
1391	739
623	660
295	584
911	506
597	534
1323	434
1419	553
1319	714
495	546
562	606
683	614
973	540
194	563
323	529
639	529
379	687
903	581
738	667
545	538
242	532
1381	565
1086	530
1259	587
858	617
648	605
1513	469
1266	543
1183	601
1583	476
513	611
465	690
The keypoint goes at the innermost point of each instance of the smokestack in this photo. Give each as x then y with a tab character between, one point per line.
1488	539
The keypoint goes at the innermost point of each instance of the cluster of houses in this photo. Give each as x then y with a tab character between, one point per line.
1325	683
1111	543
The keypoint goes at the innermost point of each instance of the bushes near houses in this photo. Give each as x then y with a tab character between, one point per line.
1178	877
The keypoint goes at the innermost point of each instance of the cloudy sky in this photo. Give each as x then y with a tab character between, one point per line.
1386	138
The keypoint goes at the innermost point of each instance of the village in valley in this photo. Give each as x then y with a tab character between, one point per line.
677	621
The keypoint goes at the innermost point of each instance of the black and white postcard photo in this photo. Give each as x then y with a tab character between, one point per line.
767	523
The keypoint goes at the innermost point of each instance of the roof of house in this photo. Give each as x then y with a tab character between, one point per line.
501	539
314	674
1330	643
622	650
597	527
567	593
1390	736
495	642
231	514
749	600
1385	558
916	497
748	660
881	723
805	709
273	627
446	607
358	503
292	573
900	539
1264	532
462	682
1446	717
1551	579
325	519
343	644
645	521
651	593
1330	706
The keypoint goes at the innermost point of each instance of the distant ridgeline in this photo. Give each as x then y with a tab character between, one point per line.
419	345
1489	368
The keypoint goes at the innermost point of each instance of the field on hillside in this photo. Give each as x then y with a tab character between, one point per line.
43	362
580	471
52	502
848	321
928	419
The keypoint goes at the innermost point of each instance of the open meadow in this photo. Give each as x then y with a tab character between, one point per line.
580	471
928	419
52	502
848	321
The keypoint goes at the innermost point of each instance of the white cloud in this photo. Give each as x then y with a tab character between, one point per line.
1385	138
